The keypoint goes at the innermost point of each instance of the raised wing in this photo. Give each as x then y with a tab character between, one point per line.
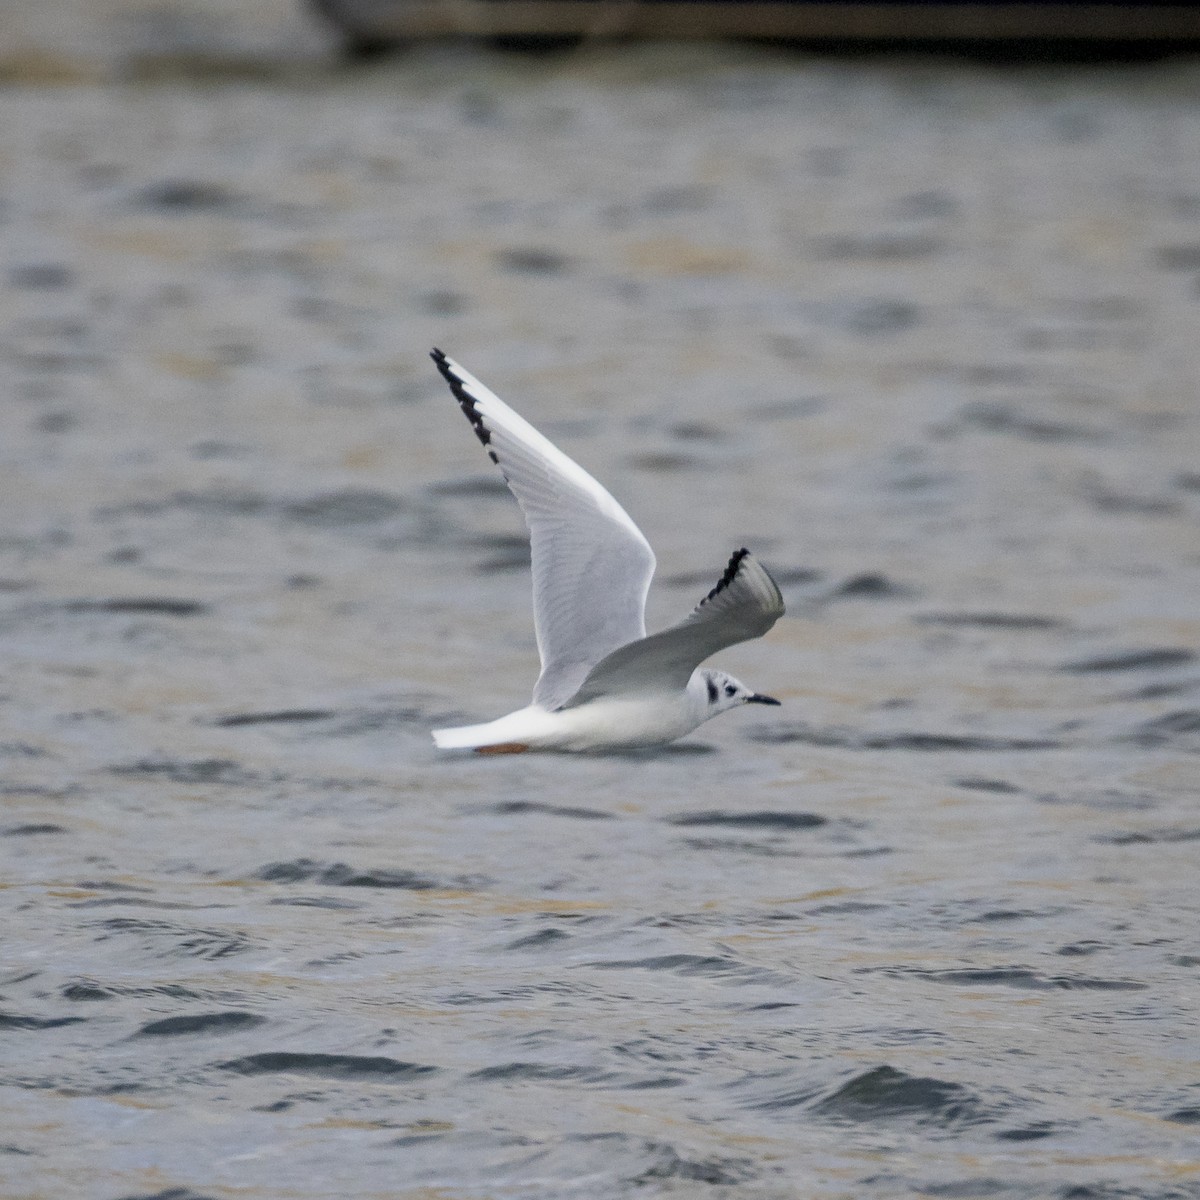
591	564
744	605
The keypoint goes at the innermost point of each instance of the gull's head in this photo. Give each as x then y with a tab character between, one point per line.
722	692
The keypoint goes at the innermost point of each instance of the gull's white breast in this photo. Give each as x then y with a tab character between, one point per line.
609	722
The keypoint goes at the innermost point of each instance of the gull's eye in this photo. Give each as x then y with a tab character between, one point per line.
730	690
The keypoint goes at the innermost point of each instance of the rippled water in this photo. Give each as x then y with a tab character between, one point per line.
921	336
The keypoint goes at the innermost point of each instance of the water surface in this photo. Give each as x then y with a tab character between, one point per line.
921	335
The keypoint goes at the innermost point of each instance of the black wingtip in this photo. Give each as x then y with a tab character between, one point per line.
735	562
465	400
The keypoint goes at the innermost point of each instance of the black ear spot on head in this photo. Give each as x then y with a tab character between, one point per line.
712	689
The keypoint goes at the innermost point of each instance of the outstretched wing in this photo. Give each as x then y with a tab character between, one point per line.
744	605
591	564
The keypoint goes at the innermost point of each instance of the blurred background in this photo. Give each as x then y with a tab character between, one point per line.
914	318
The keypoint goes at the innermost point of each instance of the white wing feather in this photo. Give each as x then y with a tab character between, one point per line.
592	566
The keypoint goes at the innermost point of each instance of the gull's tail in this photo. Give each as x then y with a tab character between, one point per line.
464	737
507	735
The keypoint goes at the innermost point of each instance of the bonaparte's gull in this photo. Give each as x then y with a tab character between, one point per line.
604	684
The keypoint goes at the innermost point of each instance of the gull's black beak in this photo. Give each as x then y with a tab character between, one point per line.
758	698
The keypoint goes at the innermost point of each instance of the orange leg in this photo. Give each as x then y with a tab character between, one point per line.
503	748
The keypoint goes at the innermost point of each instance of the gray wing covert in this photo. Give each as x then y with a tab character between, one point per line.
745	604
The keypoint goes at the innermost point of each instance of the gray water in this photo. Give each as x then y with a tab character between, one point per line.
921	335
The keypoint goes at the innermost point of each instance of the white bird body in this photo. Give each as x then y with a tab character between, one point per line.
604	684
609	723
